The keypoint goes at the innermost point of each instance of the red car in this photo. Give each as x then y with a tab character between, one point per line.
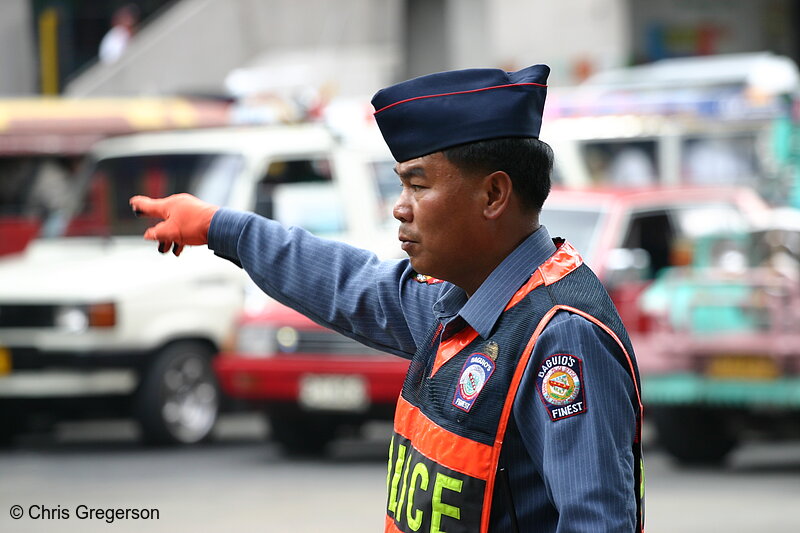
312	381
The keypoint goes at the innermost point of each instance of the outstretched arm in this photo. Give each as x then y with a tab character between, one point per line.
339	286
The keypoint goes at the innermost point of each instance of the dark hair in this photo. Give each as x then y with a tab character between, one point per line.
527	161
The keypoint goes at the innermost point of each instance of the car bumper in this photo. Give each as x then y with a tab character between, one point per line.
693	389
282	379
28	373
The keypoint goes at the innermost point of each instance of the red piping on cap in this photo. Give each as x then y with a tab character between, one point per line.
458	92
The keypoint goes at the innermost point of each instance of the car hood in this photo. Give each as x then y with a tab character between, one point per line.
76	269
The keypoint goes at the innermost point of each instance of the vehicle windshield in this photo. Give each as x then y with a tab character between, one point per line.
108	184
314	206
577	225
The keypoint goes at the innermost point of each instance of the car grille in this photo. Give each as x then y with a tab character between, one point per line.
330	342
27	316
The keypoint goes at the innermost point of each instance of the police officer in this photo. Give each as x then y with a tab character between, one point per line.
520	410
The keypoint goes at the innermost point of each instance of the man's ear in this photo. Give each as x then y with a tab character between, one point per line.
498	189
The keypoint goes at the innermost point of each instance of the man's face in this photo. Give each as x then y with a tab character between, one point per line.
441	216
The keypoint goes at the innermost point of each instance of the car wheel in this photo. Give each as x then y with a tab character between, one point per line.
693	436
10	425
301	434
178	398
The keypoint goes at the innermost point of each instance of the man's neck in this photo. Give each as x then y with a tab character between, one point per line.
476	276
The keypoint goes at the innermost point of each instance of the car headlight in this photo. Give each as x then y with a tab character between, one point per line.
73	318
287	338
79	318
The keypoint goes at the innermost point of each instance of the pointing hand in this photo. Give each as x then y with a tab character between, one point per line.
185	220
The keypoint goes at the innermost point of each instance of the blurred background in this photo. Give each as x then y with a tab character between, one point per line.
131	379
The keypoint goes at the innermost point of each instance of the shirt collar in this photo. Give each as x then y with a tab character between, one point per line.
483	308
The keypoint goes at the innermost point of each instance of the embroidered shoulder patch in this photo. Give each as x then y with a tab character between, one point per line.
422	278
476	372
561	387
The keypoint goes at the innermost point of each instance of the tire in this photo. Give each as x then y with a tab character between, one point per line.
300	434
178	398
10	424
692	435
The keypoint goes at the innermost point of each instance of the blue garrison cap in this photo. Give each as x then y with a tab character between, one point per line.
430	113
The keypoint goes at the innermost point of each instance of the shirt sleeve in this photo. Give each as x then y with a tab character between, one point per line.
342	287
583	450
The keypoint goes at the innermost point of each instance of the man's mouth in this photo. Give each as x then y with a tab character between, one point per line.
406	243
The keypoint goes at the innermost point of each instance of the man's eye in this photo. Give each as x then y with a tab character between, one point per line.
414	187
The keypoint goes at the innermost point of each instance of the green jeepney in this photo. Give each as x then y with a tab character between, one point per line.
723	358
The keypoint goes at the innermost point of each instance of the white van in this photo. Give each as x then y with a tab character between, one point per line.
93	319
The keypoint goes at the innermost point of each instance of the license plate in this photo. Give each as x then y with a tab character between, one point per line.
743	367
5	361
333	393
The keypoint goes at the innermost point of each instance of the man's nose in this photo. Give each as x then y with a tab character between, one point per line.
402	209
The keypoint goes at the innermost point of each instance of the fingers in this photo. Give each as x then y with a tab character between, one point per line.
163	247
151	207
167	236
166	231
185	220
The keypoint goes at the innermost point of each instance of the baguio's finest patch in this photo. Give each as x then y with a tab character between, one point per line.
422	278
476	372
560	385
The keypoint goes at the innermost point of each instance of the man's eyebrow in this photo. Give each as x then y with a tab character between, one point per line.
410	172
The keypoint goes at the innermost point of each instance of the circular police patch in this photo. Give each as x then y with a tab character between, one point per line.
561	387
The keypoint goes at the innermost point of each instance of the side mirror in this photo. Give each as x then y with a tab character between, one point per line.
625	265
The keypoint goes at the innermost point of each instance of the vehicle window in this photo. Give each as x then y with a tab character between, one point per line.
622	163
720	160
109	184
579	226
557	175
301	193
653	232
697	221
34	186
661	232
388	187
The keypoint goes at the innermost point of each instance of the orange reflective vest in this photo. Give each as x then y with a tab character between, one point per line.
456	401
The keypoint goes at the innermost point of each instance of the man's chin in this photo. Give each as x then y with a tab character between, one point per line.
423	267
417	265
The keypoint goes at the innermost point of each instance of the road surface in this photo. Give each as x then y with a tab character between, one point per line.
67	480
